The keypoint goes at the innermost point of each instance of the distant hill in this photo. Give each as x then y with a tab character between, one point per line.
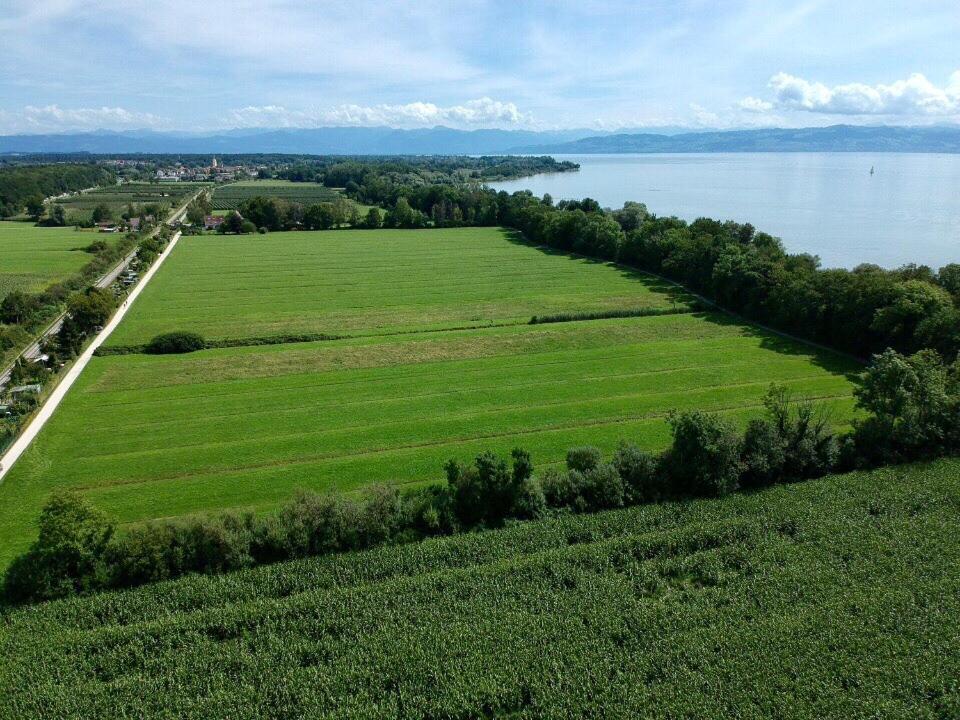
449	141
317	141
836	138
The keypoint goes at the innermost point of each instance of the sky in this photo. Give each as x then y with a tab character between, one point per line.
189	65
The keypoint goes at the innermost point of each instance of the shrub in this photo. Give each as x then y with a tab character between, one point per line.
68	555
18	307
175	342
764	453
530	502
486	491
640	475
314	524
559	488
381	517
583	458
704	458
602	488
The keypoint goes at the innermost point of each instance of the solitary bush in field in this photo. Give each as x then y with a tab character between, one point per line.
175	342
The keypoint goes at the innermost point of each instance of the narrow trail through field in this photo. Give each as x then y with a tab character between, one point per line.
20	445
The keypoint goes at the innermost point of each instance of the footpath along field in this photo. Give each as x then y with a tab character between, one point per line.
153	436
833	598
32	258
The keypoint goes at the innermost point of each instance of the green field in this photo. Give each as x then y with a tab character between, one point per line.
835	598
32	258
366	282
146	436
229	197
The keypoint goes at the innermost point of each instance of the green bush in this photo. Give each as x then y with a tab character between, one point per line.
175	342
583	458
640	473
704	458
67	557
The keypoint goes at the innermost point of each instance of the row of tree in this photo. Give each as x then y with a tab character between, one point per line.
910	409
24	187
861	311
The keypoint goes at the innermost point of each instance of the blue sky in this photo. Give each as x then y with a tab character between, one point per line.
216	64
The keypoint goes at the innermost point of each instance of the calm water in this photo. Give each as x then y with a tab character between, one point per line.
826	204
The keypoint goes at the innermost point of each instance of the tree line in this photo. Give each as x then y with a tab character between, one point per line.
860	311
909	411
24	187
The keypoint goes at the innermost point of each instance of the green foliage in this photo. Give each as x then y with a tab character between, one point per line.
68	555
20	185
704	458
616	313
175	342
372	220
18	307
85	312
583	459
913	404
835	599
101	213
640	473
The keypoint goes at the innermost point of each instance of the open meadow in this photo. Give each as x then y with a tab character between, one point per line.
147	436
32	258
363	282
831	598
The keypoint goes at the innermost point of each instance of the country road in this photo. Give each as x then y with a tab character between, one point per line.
32	351
46	411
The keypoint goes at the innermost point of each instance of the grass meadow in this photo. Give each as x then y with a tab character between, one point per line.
373	282
831	598
154	436
32	258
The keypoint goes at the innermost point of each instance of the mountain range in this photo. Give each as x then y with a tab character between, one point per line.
449	141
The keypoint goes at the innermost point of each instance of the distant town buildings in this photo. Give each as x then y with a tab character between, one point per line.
215	171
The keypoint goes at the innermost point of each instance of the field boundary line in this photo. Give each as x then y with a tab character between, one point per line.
26	437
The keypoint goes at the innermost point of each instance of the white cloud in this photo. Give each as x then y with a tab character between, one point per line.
914	96
482	111
53	118
755	105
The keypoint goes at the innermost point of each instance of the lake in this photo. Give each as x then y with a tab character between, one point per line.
826	204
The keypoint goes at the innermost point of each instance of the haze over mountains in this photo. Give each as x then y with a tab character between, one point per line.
444	140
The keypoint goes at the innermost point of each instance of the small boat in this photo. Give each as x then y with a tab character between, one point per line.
871	169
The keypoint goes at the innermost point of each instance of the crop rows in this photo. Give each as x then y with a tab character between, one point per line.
834	598
117	197
229	197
